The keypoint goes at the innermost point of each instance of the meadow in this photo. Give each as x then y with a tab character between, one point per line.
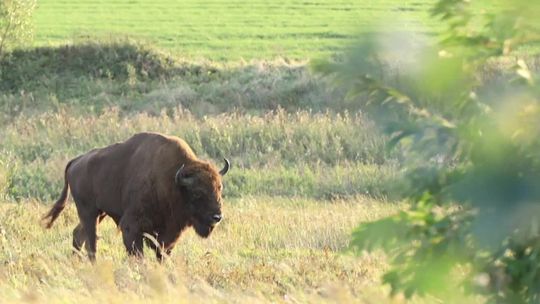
234	80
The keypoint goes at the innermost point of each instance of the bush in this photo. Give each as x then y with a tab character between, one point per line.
117	60
470	142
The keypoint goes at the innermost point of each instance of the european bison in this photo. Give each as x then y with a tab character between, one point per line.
151	183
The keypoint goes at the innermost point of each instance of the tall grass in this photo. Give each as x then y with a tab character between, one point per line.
291	154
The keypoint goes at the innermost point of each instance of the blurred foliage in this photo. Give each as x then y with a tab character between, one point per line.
473	151
15	23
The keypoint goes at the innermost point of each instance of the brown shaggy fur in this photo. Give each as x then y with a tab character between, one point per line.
134	183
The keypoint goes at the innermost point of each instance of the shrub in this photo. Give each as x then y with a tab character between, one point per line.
470	143
110	60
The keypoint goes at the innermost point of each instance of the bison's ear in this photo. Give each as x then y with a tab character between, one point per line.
181	179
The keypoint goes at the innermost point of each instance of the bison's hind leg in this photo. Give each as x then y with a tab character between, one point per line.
79	237
89	219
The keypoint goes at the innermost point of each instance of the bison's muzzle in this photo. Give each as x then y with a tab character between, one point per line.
205	225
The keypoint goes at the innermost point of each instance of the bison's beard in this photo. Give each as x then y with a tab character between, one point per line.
202	229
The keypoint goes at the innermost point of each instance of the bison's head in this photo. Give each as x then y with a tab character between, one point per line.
201	186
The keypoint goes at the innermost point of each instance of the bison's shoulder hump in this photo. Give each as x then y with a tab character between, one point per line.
154	140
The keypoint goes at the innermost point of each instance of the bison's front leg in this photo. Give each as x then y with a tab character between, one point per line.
133	238
161	251
158	248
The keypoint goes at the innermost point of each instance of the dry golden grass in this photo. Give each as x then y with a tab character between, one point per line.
266	250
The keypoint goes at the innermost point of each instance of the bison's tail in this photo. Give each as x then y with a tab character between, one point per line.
60	204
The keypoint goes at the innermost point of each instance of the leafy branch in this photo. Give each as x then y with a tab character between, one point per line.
474	161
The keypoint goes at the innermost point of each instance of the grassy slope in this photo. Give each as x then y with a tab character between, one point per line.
292	197
228	30
293	194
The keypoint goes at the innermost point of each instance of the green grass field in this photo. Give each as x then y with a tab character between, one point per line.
230	30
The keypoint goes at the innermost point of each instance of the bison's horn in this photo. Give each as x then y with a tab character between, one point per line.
178	175
226	168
